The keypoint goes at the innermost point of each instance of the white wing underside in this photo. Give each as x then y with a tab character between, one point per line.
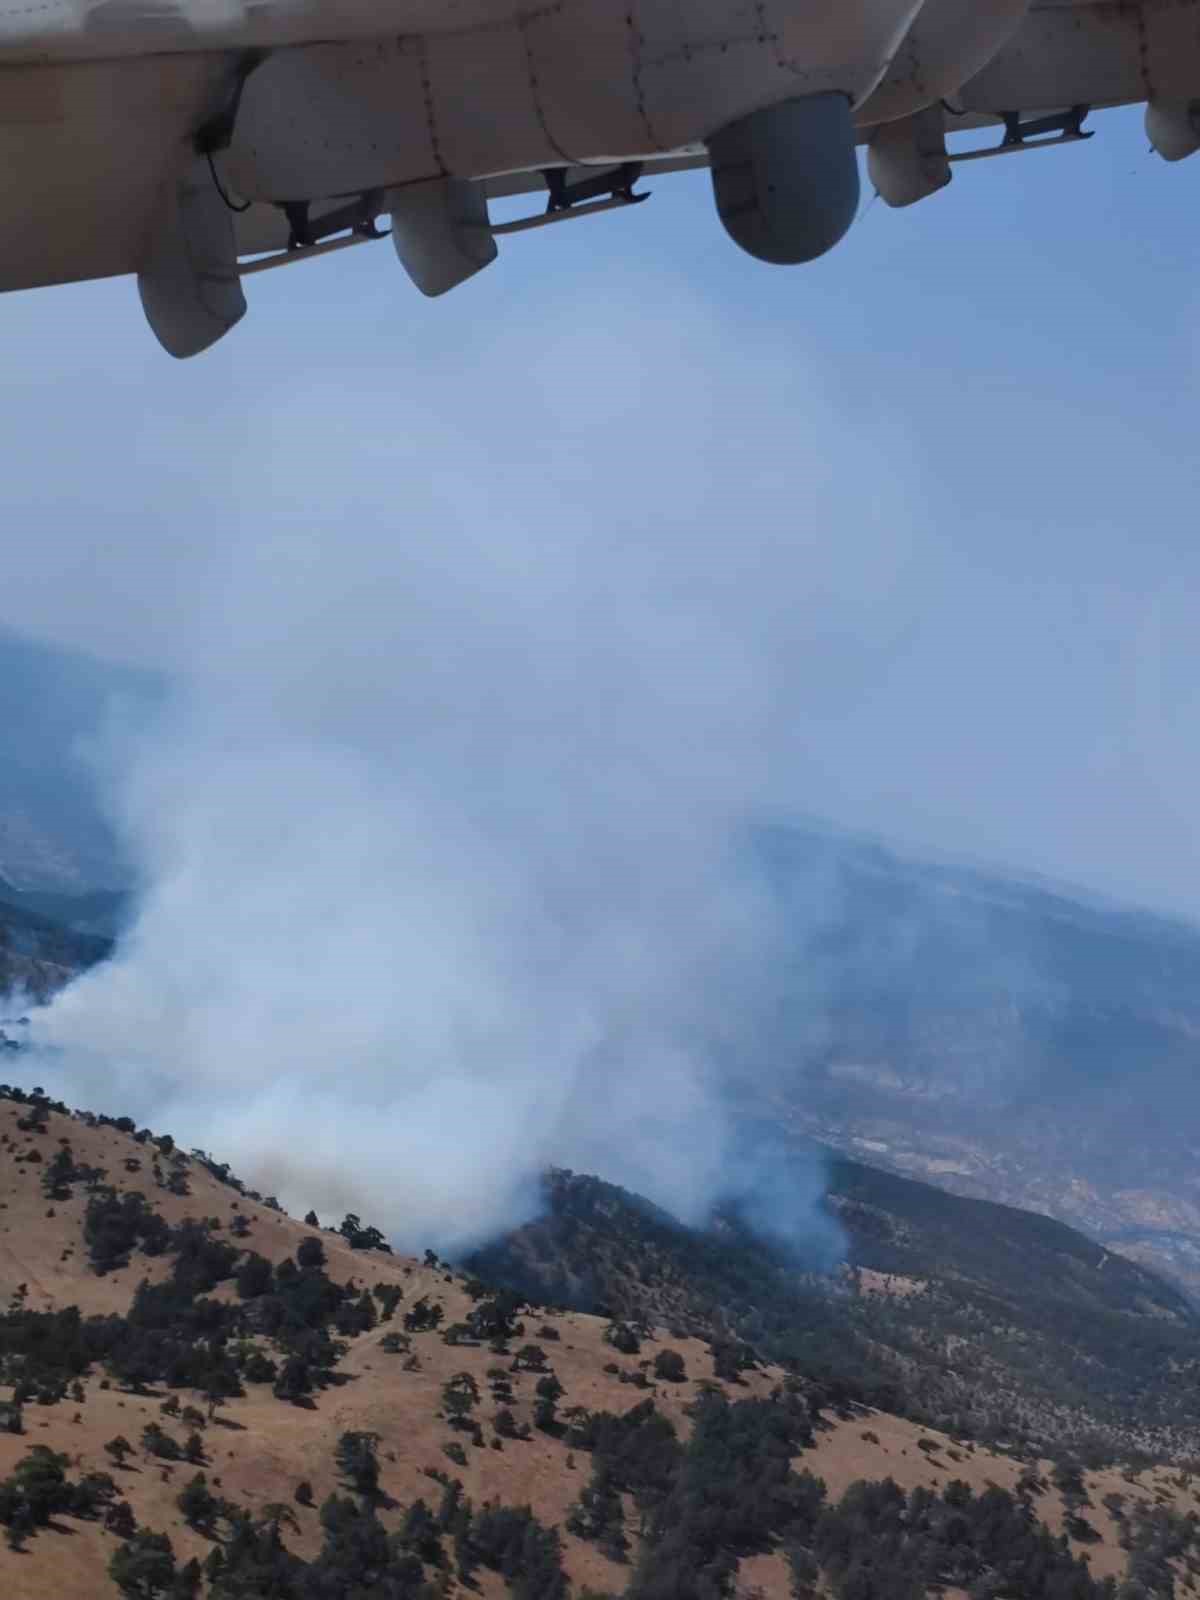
57	30
99	98
52	30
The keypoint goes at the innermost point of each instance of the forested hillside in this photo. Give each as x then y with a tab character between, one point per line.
204	1398
977	1318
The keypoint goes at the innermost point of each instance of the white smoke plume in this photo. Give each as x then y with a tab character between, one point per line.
439	841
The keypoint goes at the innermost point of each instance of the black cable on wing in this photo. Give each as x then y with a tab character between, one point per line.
220	187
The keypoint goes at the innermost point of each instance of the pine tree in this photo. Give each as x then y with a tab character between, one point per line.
198	1505
358	1461
144	1567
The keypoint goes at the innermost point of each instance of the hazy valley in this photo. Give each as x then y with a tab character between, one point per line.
1003	1039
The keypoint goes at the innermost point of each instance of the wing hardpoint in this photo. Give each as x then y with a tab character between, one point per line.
185	140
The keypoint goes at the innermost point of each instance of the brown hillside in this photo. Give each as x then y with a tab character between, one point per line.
258	1448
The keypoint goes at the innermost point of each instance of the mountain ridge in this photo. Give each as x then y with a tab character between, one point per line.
40	954
1065	1342
996	1040
55	704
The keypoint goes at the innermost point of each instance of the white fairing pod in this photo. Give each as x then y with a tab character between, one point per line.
1065	55
1173	128
442	233
189	284
786	178
907	160
948	43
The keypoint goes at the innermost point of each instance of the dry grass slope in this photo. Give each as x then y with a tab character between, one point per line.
258	1448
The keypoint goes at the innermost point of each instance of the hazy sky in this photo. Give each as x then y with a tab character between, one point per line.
970	432
494	618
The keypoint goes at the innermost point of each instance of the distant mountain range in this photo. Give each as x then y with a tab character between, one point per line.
39	953
999	1038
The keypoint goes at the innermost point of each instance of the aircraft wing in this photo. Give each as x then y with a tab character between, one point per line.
196	142
34	31
264	230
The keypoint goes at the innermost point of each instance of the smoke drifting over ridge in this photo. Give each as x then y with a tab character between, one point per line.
439	837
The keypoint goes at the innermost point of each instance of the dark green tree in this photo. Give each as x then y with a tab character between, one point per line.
157	1443
94	1493
119	1519
59	1175
39	1485
357	1458
259	1368
545	1410
310	1254
294	1381
199	1505
460	1396
622	1337
421	1534
144	1566
188	1581
389	1296
670	1367
255	1276
597	1516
